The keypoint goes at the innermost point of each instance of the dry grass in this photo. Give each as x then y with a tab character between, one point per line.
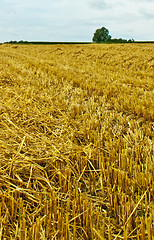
76	142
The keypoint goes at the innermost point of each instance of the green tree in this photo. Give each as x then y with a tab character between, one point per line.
101	35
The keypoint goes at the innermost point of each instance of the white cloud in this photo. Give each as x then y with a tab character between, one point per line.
67	20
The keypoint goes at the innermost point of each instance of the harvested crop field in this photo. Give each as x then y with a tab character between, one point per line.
76	142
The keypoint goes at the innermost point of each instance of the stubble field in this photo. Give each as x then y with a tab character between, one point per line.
76	142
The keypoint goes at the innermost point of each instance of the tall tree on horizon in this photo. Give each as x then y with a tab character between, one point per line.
101	35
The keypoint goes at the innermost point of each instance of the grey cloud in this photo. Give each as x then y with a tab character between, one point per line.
146	14
142	1
99	4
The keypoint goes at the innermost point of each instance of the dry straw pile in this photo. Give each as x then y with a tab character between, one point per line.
76	143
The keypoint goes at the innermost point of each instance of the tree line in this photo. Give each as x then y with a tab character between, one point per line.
101	35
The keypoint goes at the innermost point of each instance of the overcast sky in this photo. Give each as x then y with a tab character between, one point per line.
75	20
